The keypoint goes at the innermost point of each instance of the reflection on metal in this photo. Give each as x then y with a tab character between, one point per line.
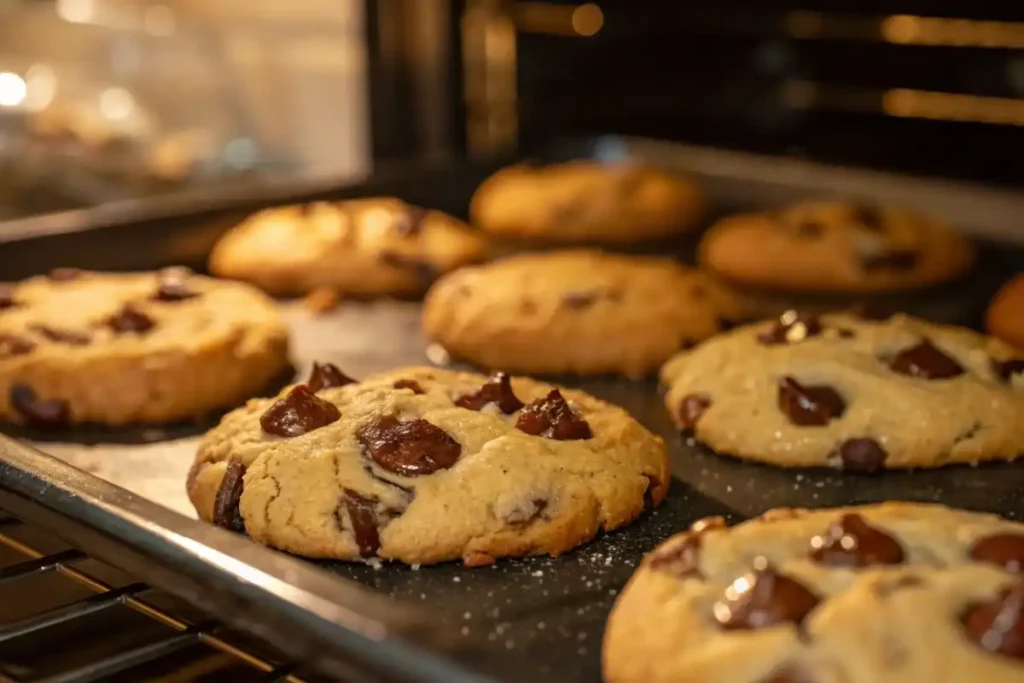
942	106
560	20
489	66
906	29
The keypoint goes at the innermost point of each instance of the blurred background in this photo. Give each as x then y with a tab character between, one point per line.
107	100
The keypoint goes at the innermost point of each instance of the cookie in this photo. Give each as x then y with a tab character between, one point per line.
114	348
835	247
362	247
841	391
424	465
1004	318
890	593
586	202
575	311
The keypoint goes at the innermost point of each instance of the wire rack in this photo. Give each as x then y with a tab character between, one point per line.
34	569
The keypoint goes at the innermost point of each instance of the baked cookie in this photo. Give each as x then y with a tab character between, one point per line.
835	247
1004	318
114	348
890	593
424	465
841	391
361	246
575	312
586	202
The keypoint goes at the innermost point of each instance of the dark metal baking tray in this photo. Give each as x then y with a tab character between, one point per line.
537	619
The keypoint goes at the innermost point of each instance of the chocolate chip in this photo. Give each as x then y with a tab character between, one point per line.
1006	369
925	361
851	542
845	333
172	285
577	301
496	390
45	414
298	413
362	510
13	345
791	327
1003	550
60	336
691	408
862	455
410	384
225	506
897	259
130	319
7	299
763	598
422	270
998	626
868	217
810	229
327	376
65	274
809	406
551	417
409	221
410	448
522	516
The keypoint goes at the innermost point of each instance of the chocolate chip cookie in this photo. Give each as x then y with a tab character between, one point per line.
893	592
1004	318
586	202
576	311
362	247
835	247
114	348
424	465
841	391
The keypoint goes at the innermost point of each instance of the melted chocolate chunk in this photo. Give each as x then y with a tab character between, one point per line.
809	229
1003	550
130	319
552	418
225	505
862	455
851	542
809	406
998	626
1006	369
496	390
791	327
299	412
44	414
172	285
897	259
59	336
845	333
410	384
424	271
362	511
869	217
7	299
764	598
409	221
577	301
65	274
691	408
925	361
13	345
411	448
327	376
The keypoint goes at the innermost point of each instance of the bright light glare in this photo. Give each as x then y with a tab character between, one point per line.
12	89
117	104
79	11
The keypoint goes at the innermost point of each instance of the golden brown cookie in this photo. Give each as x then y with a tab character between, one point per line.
890	593
835	247
114	348
363	247
1005	317
841	391
586	202
577	311
425	465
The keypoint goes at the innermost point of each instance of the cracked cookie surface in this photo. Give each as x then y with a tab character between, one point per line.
835	247
581	202
424	465
114	348
841	391
889	593
363	246
576	311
